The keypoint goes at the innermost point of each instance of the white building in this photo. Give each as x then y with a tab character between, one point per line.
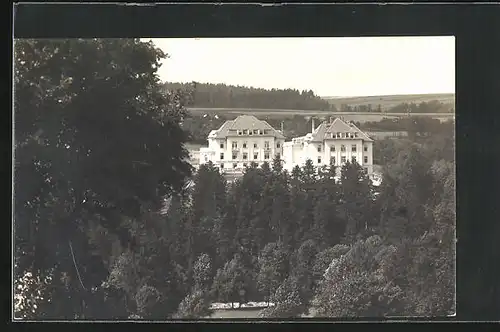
241	141
330	143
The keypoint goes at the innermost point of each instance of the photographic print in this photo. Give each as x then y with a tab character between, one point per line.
209	178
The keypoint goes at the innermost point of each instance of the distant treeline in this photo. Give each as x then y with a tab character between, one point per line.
229	96
433	106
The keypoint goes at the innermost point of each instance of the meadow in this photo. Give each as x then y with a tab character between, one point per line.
389	101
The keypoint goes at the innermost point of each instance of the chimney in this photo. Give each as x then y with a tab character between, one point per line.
312	124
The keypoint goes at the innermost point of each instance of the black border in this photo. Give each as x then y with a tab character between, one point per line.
477	32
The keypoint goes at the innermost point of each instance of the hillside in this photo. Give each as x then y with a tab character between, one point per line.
390	101
206	95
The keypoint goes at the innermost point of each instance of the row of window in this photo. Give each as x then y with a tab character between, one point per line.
234	145
344	135
343	159
245	155
342	148
252	132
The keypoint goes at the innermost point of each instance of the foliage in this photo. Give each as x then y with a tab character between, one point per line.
77	165
228	96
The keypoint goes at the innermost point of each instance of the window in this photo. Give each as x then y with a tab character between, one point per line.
332	160
244	164
222	166
353	148
235	156
250	132
206	158
255	145
343	159
235	145
356	134
342	148
366	148
239	132
235	165
245	131
261	132
278	155
365	159
366	169
332	148
245	156
278	145
222	145
353	159
266	145
255	131
255	156
245	145
266	155
319	160
319	148
222	156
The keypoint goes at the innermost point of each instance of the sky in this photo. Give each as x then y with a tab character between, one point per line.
341	67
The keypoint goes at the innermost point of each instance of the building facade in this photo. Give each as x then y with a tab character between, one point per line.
241	141
331	143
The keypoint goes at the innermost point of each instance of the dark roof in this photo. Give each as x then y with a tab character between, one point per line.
242	122
337	126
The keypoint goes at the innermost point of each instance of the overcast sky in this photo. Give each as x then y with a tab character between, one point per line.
328	66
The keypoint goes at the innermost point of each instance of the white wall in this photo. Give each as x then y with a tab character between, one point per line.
297	155
215	150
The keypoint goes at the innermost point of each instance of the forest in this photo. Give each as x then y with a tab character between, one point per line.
107	227
207	95
228	96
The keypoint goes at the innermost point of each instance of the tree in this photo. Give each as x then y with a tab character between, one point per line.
287	301
76	103
303	270
202	272
272	268
208	206
354	285
196	304
356	198
406	190
230	280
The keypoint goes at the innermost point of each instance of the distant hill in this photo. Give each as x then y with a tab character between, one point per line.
389	101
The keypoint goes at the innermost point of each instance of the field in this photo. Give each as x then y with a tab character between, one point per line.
389	101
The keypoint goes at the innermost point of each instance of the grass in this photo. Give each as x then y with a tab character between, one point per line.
236	313
389	101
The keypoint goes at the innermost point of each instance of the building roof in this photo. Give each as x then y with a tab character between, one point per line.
337	126
242	122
